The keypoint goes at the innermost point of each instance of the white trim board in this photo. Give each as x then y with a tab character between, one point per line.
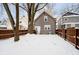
72	23
72	16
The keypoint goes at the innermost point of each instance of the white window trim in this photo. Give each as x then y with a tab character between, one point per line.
47	26
45	17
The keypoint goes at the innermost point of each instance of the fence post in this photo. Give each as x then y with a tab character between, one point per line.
76	44
65	34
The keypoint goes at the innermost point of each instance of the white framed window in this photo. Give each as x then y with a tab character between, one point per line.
0	21
65	19
20	21
77	26
45	18
47	27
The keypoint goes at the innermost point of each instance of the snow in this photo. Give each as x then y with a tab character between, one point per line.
32	44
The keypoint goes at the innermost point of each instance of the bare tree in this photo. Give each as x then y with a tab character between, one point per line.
9	15
73	7
17	23
31	9
15	27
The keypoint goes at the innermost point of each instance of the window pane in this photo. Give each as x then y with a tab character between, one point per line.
77	25
45	19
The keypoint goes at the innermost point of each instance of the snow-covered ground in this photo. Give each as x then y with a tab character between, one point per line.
37	44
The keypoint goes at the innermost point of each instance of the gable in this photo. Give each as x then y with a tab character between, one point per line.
44	13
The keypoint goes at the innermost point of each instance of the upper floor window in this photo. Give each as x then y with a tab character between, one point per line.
20	22
45	18
65	19
76	25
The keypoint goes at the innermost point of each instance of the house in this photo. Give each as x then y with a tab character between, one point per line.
45	24
3	24
68	20
23	24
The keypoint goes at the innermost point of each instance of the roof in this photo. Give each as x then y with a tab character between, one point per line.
3	26
3	22
47	14
69	13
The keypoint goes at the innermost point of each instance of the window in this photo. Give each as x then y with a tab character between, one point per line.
62	26
45	18
68	25
65	19
47	27
20	22
77	25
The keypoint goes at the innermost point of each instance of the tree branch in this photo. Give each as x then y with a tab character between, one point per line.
41	7
22	7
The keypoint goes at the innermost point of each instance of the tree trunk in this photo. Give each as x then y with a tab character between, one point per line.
30	27
31	15
16	38
9	14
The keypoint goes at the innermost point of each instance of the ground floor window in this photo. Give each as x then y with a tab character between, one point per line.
47	27
76	25
62	26
68	25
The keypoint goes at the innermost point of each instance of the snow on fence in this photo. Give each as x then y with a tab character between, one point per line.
69	34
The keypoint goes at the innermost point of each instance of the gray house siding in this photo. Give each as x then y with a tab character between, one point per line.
40	22
70	19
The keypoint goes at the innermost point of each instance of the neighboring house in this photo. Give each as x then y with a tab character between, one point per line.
45	24
22	23
68	20
3	24
58	22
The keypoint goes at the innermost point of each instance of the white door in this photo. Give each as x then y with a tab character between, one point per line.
38	29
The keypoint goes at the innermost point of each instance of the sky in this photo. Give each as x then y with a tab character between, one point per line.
57	9
3	14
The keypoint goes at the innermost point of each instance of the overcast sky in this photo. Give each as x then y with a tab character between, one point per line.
57	9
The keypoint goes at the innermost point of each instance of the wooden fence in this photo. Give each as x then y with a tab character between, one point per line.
9	33
61	32
70	34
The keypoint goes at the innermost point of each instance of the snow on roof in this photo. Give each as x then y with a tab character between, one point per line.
72	16
3	26
70	13
72	23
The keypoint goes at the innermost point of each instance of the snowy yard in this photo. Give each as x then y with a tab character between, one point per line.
37	44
